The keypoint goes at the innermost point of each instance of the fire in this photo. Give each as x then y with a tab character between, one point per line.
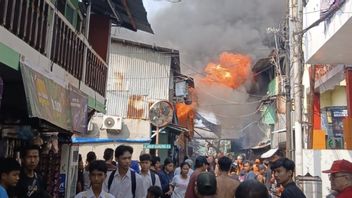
185	113
232	70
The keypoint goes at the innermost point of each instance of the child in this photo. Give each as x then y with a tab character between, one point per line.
97	175
10	174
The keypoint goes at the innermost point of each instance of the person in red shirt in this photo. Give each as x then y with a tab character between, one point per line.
340	175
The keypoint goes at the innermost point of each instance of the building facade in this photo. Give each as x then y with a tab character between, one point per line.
139	75
327	85
53	73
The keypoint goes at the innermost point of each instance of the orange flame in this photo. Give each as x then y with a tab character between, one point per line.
232	70
185	113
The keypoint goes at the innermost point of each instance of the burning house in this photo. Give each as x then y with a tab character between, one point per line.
139	75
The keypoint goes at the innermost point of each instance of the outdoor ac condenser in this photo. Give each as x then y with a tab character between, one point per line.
112	123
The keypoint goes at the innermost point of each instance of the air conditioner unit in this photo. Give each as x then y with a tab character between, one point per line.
90	127
112	123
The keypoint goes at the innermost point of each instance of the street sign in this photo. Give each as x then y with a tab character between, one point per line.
157	146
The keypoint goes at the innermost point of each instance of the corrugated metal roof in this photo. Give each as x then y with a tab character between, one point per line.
137	77
128	14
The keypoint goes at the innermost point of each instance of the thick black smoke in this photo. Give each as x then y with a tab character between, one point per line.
201	30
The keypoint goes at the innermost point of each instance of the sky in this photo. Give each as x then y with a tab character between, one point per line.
153	6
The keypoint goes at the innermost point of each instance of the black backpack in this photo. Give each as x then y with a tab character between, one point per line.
152	175
133	178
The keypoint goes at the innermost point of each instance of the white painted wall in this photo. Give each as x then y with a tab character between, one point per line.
132	129
317	36
315	161
99	149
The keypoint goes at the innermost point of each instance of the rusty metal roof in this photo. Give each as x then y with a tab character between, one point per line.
137	77
129	14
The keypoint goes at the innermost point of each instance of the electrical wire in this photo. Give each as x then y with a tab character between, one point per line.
241	130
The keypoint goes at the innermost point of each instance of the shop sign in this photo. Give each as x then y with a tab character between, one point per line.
79	109
46	99
157	146
338	115
62	184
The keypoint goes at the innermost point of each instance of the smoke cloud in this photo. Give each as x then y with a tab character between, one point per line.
201	30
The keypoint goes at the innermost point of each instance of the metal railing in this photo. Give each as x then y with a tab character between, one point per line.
43	27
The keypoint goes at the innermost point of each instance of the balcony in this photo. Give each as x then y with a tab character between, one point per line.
39	24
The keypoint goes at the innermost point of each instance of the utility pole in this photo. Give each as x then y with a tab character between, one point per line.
288	107
295	27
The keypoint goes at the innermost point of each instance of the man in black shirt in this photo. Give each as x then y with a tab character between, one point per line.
283	172
30	184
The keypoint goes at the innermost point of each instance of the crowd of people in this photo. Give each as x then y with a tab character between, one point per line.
205	177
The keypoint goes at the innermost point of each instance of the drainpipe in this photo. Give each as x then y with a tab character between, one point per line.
86	34
348	121
348	74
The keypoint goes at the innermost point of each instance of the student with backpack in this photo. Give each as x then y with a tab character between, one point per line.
97	175
150	178
166	176
124	182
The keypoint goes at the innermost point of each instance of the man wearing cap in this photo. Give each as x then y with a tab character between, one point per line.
340	175
206	186
201	165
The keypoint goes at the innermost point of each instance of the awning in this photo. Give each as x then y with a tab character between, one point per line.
129	14
262	145
269	153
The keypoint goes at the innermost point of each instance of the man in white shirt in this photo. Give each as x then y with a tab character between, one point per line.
124	182
150	178
97	175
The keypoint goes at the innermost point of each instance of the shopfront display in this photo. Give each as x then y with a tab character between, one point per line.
332	124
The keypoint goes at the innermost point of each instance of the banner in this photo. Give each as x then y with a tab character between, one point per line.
46	99
1	89
79	110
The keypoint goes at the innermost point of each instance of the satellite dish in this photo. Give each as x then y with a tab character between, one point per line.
161	113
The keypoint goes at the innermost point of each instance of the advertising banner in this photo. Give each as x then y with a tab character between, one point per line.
332	124
46	99
79	109
338	115
1	89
